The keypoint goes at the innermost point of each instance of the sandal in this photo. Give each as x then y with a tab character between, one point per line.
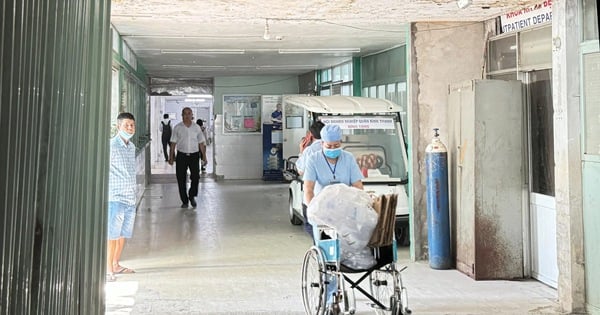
121	270
110	277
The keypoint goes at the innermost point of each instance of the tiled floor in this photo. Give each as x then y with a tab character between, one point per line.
237	253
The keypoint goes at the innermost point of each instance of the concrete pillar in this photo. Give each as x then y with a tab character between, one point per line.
441	53
567	155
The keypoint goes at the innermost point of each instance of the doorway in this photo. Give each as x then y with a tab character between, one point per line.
542	205
172	106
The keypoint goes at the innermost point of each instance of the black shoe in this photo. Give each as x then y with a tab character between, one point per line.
184	205
193	202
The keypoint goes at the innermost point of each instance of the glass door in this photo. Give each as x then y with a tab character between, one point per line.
541	176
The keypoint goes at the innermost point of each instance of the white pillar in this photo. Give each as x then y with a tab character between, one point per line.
567	155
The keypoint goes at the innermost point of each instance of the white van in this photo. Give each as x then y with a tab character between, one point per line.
372	131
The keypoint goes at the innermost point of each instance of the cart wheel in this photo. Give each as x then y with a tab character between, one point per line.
293	217
382	285
314	288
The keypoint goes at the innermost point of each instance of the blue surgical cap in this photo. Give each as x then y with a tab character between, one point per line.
331	133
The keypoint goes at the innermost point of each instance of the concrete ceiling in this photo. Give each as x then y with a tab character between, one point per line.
208	38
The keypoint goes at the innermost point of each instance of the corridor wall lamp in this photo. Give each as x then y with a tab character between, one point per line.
463	3
200	96
195	100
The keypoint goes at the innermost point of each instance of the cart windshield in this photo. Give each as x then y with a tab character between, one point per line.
376	141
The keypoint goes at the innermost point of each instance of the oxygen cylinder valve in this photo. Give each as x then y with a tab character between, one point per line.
436	132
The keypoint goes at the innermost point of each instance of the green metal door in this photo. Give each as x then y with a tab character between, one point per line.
591	178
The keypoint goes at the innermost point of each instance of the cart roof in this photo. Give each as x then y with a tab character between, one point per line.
338	104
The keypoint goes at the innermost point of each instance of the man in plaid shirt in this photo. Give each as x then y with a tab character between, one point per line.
121	194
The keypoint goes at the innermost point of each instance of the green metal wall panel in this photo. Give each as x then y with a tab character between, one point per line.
54	163
591	221
590	109
357	76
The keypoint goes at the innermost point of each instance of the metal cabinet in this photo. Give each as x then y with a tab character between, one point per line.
486	177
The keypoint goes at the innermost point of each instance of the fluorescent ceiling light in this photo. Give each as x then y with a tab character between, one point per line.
195	67
319	51
194	100
204	51
287	67
199	96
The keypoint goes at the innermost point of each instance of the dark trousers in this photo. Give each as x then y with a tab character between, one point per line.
165	143
184	162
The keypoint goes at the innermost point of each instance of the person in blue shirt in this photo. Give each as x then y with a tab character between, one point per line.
331	165
121	194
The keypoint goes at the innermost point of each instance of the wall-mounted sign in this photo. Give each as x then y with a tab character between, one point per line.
535	15
360	122
242	114
272	111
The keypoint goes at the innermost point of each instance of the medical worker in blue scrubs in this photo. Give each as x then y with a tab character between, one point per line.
330	166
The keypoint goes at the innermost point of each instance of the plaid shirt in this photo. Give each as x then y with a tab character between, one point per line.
121	178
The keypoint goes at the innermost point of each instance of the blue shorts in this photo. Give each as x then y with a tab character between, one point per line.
120	220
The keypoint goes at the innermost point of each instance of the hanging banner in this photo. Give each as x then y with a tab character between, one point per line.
360	122
534	15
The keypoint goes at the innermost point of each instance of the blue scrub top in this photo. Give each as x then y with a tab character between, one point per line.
318	169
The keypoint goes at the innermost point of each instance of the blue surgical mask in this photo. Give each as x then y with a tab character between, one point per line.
332	153
125	135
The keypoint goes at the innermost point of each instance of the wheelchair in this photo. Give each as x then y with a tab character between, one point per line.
322	268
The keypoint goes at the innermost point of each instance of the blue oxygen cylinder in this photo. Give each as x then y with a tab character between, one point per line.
438	218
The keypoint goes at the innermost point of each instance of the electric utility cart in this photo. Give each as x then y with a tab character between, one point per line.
372	132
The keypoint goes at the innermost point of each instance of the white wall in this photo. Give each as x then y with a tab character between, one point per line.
240	156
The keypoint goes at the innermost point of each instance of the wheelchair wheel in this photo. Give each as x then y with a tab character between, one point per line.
396	306
383	286
398	295
314	289
349	299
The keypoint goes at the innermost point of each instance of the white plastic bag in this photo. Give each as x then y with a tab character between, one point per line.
348	210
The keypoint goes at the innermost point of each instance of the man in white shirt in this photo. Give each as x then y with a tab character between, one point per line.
190	142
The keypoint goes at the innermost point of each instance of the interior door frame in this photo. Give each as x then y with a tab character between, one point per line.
525	77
